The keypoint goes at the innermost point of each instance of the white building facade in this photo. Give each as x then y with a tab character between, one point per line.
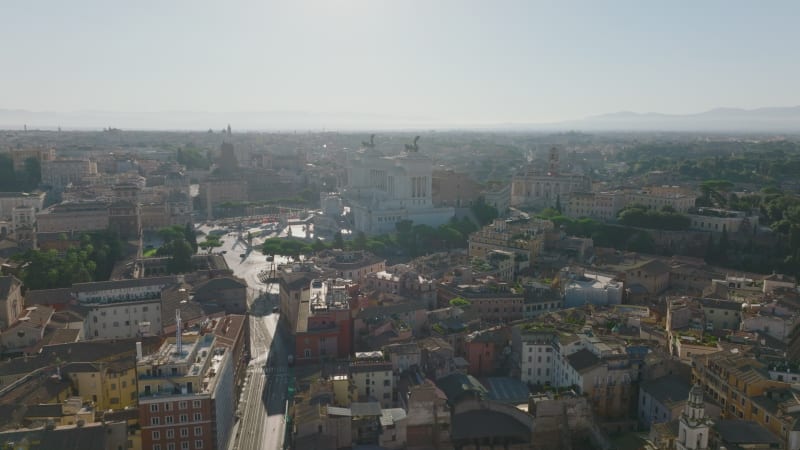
123	320
383	190
538	358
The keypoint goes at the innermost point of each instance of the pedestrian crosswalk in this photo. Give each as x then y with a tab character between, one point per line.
275	370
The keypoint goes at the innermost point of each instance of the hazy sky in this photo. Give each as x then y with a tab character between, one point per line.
449	61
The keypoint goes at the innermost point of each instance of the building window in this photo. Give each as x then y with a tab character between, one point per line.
156	446
195	403
198	431
167	406
170	434
168	419
184	445
198	444
184	418
171	446
184	432
156	435
182	405
154	421
154	407
198	416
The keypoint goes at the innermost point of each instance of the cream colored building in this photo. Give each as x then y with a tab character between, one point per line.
524	238
11	301
88	216
59	173
595	205
106	385
717	220
373	378
11	200
123	320
656	197
23	217
544	187
19	156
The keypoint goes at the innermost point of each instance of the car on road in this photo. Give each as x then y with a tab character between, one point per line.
224	252
275	309
242	255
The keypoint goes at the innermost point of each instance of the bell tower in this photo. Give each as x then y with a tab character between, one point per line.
554	164
694	426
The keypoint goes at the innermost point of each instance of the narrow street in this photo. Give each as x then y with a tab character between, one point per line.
262	407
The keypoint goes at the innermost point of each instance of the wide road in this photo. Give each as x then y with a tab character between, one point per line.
262	407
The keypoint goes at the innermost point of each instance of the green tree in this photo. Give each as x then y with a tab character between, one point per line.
318	245
360	242
191	236
484	212
210	243
33	173
338	240
181	257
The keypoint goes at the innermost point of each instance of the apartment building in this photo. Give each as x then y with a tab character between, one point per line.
595	205
58	173
524	238
65	217
538	357
657	197
186	393
741	385
324	324
373	378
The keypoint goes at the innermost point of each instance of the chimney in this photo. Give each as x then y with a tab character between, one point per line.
138	351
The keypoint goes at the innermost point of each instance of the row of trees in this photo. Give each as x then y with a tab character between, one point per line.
292	247
603	234
641	216
409	240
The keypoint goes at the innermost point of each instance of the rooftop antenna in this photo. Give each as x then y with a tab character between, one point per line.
178	344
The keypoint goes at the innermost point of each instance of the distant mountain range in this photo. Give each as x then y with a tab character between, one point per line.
775	119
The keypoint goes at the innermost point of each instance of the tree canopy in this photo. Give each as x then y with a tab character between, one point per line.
92	260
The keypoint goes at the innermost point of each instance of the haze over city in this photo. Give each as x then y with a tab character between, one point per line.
399	225
353	64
